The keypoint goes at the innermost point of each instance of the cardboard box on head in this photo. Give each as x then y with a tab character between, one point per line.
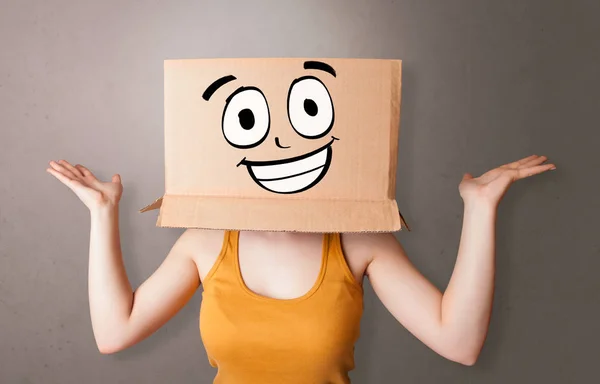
281	144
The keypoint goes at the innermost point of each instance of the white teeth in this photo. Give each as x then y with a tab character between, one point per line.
293	176
294	183
287	170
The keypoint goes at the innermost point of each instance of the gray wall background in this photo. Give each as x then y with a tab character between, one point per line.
485	82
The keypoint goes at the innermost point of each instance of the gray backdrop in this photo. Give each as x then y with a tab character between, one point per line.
485	82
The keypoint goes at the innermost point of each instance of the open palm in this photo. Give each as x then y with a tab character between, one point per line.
91	191
492	185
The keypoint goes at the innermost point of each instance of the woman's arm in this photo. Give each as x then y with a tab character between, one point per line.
120	316
453	324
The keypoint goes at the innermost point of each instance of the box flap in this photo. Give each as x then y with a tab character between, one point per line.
154	205
403	222
325	216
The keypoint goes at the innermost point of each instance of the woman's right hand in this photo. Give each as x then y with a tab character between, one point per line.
94	193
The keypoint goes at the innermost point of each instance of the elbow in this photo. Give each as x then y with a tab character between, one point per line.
462	350
108	349
465	357
111	340
468	360
461	354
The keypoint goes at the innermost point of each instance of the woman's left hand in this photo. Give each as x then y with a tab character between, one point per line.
490	187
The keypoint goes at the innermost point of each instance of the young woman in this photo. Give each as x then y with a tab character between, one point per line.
286	307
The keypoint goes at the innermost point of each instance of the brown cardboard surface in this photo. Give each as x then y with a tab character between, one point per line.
282	144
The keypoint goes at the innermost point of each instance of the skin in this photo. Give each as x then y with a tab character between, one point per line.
285	265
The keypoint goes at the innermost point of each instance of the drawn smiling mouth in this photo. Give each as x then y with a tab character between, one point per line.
291	175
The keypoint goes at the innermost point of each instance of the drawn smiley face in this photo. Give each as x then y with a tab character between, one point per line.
246	123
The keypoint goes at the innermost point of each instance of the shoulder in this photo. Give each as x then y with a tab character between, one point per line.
206	236
368	243
364	248
200	244
203	246
361	249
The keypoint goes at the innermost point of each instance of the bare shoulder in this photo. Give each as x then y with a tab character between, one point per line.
360	249
201	239
203	246
368	244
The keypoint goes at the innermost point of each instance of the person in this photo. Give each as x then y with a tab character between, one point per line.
285	307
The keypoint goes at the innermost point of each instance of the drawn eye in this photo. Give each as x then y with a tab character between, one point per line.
246	118
310	108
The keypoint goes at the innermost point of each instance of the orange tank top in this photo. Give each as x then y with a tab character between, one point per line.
252	338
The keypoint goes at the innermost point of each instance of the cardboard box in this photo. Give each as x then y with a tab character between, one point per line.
281	144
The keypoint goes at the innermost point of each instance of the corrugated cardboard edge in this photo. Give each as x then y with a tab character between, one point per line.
395	107
403	222
395	102
325	216
154	205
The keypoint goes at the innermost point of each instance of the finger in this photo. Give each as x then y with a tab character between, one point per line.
71	183
86	172
537	161
58	167
527	172
89	177
71	168
525	160
467	176
116	179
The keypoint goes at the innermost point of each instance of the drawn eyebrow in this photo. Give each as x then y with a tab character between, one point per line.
320	66
216	85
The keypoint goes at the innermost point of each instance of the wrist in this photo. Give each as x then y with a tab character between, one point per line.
481	206
104	210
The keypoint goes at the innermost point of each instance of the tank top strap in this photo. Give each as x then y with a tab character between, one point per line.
337	266
225	261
